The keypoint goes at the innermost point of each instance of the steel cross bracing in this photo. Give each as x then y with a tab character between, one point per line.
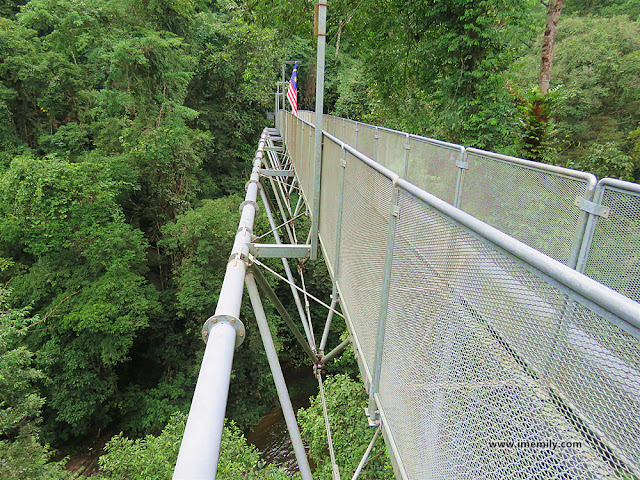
483	357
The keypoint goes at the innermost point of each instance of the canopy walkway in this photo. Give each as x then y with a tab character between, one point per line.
490	300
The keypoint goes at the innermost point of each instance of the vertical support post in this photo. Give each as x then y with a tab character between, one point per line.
278	378
317	158
375	146
276	111
457	200
384	304
356	140
284	66
407	150
310	171
581	230
587	239
336	263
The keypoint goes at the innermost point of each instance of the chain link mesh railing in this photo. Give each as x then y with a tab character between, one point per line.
496	361
544	206
611	250
530	201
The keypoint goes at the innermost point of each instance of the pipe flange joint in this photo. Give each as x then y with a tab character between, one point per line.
257	182
250	202
233	321
245	229
239	256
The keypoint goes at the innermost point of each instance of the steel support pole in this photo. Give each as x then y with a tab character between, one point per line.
405	162
384	305
276	111
457	200
589	232
581	231
327	325
366	455
268	291
375	147
336	351
336	265
284	66
278	378
317	158
200	447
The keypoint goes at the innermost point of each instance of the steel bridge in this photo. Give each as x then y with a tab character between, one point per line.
490	301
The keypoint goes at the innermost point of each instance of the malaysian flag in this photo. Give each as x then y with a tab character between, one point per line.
292	92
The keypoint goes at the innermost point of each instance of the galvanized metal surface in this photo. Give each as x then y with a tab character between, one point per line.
611	250
487	340
200	447
278	377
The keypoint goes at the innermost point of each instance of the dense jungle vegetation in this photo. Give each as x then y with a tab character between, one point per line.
127	128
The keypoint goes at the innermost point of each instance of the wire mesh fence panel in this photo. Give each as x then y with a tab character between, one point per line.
311	156
347	132
432	166
531	202
614	249
366	140
367	200
304	159
391	150
329	199
329	124
488	371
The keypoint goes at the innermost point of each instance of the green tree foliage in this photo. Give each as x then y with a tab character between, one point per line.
437	67
84	265
154	457
21	453
605	8
538	127
351	434
116	119
596	77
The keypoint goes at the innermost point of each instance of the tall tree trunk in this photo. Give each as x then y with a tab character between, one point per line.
553	15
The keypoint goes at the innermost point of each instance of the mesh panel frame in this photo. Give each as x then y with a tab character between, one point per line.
329	199
367	140
477	347
534	205
391	150
347	132
433	168
614	255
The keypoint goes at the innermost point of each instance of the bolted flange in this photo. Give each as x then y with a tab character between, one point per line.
250	202
237	324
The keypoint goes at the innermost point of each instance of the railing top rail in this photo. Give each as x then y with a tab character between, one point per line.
587	288
588	177
620	184
362	157
453	146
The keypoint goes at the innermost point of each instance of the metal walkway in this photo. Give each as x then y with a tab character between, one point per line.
485	352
